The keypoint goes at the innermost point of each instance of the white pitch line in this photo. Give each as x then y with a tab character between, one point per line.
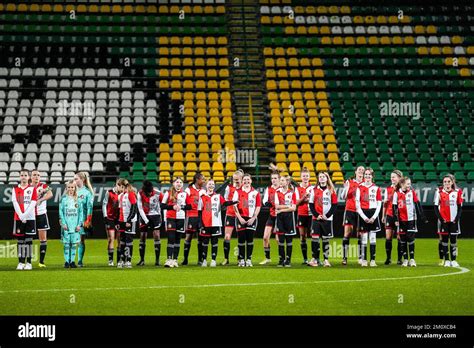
461	271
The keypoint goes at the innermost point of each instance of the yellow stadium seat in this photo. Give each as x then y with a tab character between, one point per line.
164	156
333	157
165	166
334	167
191	167
321	167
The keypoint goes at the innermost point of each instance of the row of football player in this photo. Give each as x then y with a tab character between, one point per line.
197	210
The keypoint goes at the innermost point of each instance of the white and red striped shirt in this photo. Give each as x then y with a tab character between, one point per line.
388	201
248	201
193	198
350	195
405	202
211	206
368	196
287	197
180	200
228	195
303	209
149	205
448	202
41	190
269	196
323	200
126	200
24	202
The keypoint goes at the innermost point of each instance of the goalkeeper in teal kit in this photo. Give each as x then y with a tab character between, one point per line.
71	219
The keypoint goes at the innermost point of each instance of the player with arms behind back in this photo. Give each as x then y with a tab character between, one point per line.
406	210
448	207
24	197
269	201
128	219
285	206
193	223
42	224
149	207
110	212
303	192
351	218
388	218
230	219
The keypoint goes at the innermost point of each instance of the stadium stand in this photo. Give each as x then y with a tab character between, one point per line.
329	68
159	79
156	77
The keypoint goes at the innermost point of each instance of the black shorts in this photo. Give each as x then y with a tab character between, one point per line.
252	227
366	227
154	223
111	224
351	218
286	224
407	227
449	228
230	221
322	228
390	222
175	225
130	230
192	224
304	221
21	229
42	222
210	232
271	221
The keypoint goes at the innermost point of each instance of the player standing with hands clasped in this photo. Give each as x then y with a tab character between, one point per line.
368	203
323	204
246	212
71	221
24	198
285	206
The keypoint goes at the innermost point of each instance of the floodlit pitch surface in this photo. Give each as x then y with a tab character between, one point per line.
98	289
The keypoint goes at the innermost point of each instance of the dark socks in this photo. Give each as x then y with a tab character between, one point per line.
304	249
227	248
345	247
157	244
43	247
388	248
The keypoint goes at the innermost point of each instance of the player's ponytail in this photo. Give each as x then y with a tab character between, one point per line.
84	176
275	169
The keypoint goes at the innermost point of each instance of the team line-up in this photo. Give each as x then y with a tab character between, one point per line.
304	209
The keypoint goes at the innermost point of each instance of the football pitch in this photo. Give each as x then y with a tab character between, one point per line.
98	289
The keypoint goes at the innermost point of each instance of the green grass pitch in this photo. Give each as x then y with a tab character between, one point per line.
228	290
